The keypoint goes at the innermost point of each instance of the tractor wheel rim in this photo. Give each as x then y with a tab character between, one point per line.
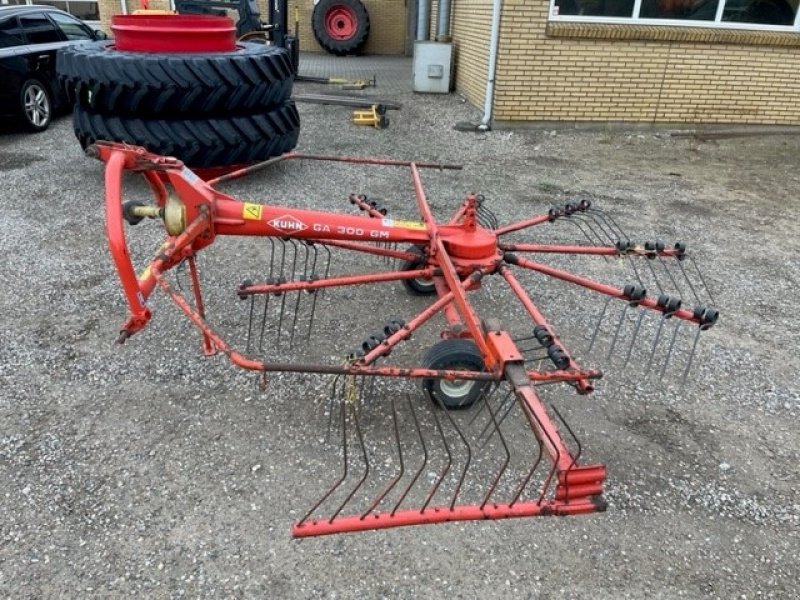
456	389
37	108
341	22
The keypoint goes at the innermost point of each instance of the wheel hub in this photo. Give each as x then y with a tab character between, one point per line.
37	108
341	22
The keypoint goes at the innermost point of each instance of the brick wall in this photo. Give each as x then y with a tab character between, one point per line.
387	22
470	23
580	73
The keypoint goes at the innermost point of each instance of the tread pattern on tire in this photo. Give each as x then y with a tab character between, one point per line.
205	142
254	78
340	47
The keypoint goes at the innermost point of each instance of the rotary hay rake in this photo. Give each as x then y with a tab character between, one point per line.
484	444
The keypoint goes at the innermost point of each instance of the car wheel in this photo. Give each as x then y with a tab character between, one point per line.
36	105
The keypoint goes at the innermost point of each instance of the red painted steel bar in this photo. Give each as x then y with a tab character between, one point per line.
317	284
522	224
450	313
443	514
366	248
584	386
594	250
686	315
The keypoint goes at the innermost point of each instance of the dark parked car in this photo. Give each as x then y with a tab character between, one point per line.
30	37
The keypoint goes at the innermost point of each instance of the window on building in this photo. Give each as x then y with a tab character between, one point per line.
86	10
739	14
38	29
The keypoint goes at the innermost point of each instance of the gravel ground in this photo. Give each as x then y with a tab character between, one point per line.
147	469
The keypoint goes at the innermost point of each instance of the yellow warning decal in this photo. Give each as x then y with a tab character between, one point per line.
146	273
252	212
410	224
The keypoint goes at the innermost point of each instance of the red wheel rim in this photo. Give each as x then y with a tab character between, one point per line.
341	22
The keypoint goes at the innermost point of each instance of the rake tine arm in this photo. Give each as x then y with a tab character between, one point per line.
507	459
365	457
560	249
368	249
317	284
583	385
684	314
424	457
533	221
397	477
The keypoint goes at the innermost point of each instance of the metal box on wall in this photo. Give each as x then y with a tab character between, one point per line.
433	67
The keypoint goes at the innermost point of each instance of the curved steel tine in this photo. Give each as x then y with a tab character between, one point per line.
299	293
331	398
655	277
655	344
669	351
424	457
592	240
327	264
572	434
469	453
635	270
671	278
338	482
446	470
283	296
480	410
633	338
617	330
608	233
531	417
691	357
610	222
702	279
600	319
505	407
527	478
266	296
366	468
399	476
504	466
250	323
313	294
577	442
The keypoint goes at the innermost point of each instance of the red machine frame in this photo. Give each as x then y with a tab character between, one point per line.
458	254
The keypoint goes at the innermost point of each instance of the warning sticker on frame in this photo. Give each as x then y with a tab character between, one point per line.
252	212
406	224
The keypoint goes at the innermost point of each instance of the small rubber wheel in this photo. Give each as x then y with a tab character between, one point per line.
455	354
419	286
340	26
35	105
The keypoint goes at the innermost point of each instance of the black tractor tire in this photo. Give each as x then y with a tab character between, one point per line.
253	78
208	142
455	354
342	35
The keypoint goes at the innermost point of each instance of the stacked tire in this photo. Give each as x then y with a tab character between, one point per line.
215	109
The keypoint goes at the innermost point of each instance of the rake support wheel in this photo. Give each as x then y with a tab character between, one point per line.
455	354
340	26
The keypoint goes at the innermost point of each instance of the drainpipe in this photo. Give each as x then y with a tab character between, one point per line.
494	41
423	20
443	21
123	4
